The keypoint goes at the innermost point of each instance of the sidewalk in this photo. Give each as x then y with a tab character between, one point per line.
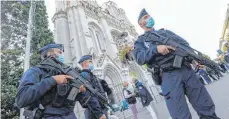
218	90
143	113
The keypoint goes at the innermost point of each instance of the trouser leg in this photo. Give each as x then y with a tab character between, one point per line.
198	96
134	110
173	91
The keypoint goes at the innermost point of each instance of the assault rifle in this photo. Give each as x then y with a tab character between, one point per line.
183	51
53	65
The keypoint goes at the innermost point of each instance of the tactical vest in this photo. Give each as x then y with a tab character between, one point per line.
165	62
94	81
57	96
96	84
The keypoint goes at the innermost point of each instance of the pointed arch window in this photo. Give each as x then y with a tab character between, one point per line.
97	35
94	41
100	39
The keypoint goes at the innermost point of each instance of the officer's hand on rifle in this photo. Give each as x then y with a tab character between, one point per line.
82	88
164	49
60	79
102	117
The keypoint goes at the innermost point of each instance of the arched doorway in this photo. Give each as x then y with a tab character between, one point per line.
139	74
146	80
114	80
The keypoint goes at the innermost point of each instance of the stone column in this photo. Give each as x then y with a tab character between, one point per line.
111	48
82	27
62	34
75	45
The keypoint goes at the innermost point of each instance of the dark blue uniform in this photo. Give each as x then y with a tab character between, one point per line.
33	87
38	87
94	109
176	83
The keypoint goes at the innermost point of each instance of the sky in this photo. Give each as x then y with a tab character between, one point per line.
200	22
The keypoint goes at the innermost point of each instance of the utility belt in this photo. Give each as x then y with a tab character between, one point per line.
167	66
37	113
58	101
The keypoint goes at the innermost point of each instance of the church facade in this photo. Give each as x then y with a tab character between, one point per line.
84	27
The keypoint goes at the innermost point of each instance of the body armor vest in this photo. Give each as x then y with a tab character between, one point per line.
57	96
165	62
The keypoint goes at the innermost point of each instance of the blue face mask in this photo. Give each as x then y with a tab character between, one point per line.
150	23
91	67
61	58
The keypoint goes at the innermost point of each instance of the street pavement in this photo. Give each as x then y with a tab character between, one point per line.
219	91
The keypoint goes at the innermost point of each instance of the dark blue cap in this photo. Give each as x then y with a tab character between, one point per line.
85	57
49	46
142	13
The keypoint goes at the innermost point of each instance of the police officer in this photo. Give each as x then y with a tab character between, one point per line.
176	82
94	109
37	90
